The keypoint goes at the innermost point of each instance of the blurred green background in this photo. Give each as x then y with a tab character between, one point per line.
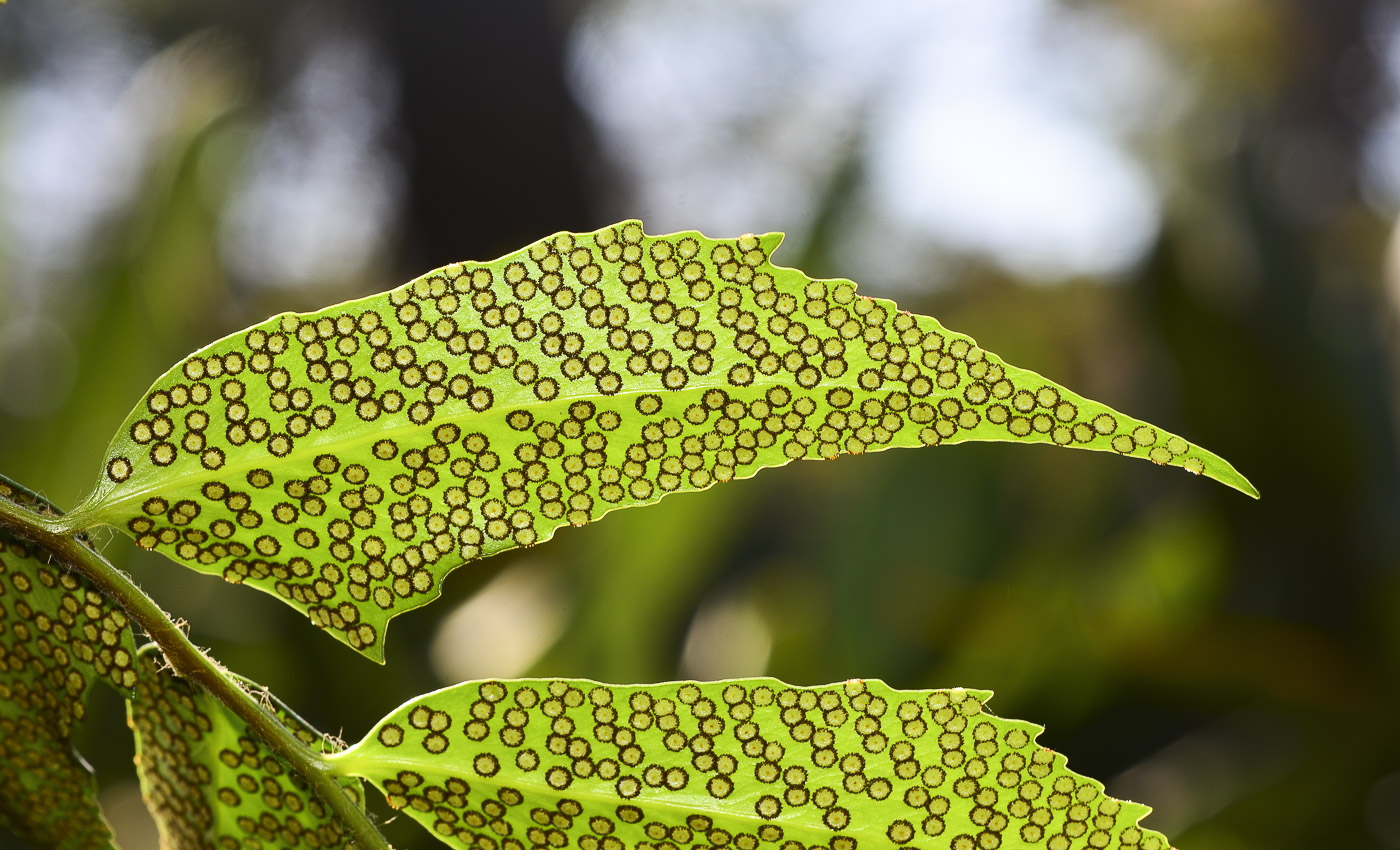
1183	208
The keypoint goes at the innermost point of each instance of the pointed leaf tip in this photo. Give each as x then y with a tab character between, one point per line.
1229	476
347	460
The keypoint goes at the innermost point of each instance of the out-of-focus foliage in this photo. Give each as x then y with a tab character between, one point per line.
1258	317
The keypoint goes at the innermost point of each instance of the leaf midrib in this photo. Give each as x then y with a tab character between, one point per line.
95	510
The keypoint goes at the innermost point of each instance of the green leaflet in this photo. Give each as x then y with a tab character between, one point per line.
347	460
210	783
57	636
749	763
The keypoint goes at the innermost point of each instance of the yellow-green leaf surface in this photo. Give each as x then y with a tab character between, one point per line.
747	764
210	783
57	636
347	460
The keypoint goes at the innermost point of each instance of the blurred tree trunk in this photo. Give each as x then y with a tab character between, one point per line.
496	148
